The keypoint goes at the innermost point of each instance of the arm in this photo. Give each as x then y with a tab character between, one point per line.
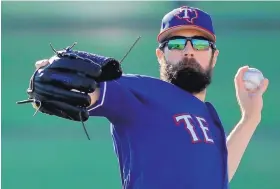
117	100
237	142
251	104
112	99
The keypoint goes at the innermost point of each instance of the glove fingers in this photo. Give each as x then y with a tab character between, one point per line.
64	110
110	71
87	66
51	92
111	68
66	80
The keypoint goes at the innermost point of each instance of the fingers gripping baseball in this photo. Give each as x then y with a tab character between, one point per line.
250	80
250	86
264	86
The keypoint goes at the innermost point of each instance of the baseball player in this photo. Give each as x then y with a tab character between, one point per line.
166	136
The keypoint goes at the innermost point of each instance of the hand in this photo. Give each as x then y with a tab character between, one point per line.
251	103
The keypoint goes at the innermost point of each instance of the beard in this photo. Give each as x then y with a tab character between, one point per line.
187	74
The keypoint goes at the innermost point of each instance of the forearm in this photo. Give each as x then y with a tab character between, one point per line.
237	143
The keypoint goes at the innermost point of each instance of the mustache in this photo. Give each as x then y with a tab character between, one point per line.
188	74
186	65
189	63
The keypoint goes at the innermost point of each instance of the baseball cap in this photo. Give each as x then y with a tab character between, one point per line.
186	18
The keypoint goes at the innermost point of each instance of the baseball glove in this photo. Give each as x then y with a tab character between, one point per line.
62	87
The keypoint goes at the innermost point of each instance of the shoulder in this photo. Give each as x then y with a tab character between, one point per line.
150	85
138	79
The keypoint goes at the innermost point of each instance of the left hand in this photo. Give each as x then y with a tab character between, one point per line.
251	103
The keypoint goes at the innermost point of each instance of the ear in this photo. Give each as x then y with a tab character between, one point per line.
215	57
159	54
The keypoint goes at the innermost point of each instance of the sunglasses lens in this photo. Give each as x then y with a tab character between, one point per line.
177	44
200	44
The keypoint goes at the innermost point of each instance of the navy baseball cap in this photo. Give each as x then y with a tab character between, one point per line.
186	18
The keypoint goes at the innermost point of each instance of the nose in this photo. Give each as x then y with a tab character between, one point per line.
189	51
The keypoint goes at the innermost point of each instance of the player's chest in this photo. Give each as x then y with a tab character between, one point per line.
197	128
185	134
189	125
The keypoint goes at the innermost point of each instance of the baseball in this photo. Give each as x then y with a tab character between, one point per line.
252	79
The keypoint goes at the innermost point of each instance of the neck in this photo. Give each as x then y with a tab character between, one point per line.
201	96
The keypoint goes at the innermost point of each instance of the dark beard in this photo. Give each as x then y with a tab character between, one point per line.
188	75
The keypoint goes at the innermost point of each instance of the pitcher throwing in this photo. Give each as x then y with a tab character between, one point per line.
166	136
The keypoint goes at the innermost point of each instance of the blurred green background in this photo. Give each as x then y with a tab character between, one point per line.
45	152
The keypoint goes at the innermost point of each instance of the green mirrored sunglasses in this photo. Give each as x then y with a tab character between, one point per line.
179	43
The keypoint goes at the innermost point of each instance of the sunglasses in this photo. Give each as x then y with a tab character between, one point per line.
179	43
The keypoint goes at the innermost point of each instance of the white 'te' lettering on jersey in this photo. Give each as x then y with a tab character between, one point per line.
188	122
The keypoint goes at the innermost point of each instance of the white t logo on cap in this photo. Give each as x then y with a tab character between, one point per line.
186	13
189	14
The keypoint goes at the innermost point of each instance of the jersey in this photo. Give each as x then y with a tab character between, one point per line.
163	136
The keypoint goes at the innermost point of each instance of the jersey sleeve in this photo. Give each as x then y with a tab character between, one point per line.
116	100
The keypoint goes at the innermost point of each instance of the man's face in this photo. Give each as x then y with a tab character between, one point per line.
187	67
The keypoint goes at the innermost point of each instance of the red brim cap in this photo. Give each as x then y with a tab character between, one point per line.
185	18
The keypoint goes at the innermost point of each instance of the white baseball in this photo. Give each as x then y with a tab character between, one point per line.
252	79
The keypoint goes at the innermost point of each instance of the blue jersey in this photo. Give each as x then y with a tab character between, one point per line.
164	137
